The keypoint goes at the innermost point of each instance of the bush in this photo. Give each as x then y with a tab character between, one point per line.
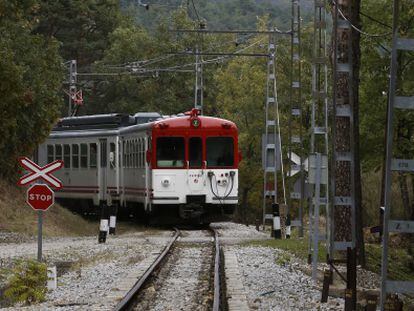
26	282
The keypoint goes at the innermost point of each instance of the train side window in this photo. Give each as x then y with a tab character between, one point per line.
112	161
58	152
92	154
195	151
143	153
83	155
220	151
127	154
131	153
66	156
135	153
75	156
139	152
50	154
124	154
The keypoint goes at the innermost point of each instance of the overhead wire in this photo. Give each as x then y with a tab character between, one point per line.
177	68
375	20
195	11
356	28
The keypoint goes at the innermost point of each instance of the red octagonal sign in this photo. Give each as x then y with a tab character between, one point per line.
40	197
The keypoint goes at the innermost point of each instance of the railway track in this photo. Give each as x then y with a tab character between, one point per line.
129	301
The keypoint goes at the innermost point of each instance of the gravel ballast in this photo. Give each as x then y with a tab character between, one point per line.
271	286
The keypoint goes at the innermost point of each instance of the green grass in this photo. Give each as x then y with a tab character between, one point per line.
400	263
296	246
400	267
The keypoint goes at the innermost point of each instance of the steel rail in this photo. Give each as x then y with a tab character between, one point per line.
125	302
216	301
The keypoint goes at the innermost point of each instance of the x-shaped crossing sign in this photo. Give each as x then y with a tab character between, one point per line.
38	172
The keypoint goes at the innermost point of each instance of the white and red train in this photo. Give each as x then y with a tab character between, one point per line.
173	169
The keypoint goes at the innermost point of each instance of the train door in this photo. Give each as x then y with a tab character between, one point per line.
148	181
196	174
103	169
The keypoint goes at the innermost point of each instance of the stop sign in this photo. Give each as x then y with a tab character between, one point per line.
40	197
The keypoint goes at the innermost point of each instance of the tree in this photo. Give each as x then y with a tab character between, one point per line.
31	75
82	26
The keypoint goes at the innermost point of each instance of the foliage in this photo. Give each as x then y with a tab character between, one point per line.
82	26
31	75
283	259
400	263
231	14
26	282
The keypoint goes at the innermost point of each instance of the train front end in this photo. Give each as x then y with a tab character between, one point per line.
194	164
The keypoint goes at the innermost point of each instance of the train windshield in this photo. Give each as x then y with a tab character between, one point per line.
170	152
220	151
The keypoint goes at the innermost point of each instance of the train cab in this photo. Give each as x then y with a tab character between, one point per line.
194	162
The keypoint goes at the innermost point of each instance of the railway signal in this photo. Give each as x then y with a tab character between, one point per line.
39	196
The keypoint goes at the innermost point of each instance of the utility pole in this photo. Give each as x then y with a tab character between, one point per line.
404	103
318	158
295	140
270	141
198	89
72	84
343	211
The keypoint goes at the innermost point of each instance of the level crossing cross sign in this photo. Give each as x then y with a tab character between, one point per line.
40	197
39	172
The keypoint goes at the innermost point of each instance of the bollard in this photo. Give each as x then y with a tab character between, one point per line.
276	221
288	228
112	219
103	226
51	278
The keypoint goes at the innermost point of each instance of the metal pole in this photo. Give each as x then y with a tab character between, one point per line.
316	215
72	83
39	235
389	146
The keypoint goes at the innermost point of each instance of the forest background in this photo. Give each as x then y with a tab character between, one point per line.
37	38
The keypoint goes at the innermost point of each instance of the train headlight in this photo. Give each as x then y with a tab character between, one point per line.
165	182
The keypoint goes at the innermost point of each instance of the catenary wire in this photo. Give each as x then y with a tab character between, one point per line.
356	28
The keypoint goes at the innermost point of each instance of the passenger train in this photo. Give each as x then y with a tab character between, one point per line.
178	169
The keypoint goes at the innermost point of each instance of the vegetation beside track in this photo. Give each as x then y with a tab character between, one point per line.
16	216
400	262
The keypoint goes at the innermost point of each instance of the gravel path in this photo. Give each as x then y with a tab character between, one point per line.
271	286
96	268
232	233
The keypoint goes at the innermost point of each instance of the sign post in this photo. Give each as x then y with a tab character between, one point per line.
39	235
39	196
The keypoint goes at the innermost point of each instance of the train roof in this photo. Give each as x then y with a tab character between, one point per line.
120	123
105	121
183	122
